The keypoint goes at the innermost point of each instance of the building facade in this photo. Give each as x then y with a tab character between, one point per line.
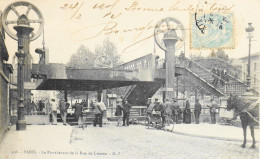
5	75
254	69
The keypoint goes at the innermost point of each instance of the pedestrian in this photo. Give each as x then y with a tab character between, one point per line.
97	112
54	111
47	107
31	108
159	109
126	113
63	110
149	102
168	108
118	113
103	111
218	73
213	111
197	111
187	113
150	109
176	111
226	76
214	73
78	109
41	105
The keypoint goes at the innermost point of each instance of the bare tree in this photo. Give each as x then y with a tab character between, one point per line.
108	49
82	59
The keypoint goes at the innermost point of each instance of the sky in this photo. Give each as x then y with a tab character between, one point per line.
130	25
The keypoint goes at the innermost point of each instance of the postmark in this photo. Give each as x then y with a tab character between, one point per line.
212	31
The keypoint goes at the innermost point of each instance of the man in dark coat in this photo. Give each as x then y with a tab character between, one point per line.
63	110
176	111
197	111
97	112
78	110
126	113
41	105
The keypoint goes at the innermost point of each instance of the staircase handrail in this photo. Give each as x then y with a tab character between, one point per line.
223	79
207	70
204	80
237	79
238	69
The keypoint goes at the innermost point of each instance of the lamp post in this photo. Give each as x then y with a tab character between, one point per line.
249	30
23	32
249	95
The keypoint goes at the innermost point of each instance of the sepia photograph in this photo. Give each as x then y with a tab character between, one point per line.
129	79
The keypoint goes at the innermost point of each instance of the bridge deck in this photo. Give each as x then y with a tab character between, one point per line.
84	85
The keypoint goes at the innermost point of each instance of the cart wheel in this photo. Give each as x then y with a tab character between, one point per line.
169	124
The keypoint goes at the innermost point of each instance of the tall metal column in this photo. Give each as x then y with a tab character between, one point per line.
23	32
170	39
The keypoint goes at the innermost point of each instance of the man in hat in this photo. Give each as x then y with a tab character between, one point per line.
126	113
63	105
78	109
197	111
213	110
54	106
159	107
98	114
176	110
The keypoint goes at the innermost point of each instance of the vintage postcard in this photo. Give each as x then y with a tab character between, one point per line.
170	79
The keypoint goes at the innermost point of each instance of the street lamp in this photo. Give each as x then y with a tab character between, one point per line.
249	95
249	30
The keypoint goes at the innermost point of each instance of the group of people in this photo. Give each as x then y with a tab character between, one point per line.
173	110
50	107
219	76
38	106
122	108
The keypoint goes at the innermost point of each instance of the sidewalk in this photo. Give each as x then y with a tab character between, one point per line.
47	140
215	131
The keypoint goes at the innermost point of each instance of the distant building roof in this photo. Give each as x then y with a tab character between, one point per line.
252	55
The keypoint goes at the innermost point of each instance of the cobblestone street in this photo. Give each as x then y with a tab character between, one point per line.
138	142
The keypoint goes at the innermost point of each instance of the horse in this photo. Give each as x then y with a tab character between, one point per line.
248	113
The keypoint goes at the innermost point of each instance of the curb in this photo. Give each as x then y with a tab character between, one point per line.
206	137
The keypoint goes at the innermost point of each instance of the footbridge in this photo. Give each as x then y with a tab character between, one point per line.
141	78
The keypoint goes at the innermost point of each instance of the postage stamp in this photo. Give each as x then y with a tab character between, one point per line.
212	31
